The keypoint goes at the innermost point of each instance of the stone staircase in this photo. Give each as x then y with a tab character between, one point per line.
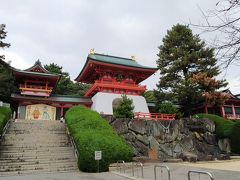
36	147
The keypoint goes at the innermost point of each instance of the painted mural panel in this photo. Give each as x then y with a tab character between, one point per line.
40	112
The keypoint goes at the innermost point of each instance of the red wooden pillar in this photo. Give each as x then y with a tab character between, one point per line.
46	87
233	111
222	111
205	109
61	110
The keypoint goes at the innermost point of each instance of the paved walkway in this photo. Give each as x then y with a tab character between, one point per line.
221	170
66	176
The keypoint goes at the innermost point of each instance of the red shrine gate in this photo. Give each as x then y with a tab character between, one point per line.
112	76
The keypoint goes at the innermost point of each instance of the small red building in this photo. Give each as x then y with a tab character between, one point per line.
35	99
229	110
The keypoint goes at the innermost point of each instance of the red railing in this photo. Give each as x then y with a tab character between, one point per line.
154	116
22	86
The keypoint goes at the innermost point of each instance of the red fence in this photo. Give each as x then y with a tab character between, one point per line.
154	116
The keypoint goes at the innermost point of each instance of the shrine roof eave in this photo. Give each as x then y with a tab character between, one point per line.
139	68
54	98
117	60
36	74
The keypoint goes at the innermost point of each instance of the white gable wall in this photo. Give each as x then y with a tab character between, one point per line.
102	103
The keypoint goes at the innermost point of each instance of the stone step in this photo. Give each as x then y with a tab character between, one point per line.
35	121
17	124
42	159
36	134
46	151
17	132
45	124
32	128
36	126
38	151
42	127
38	167
19	138
25	172
32	147
36	146
36	156
36	140
42	143
36	129
4	164
43	165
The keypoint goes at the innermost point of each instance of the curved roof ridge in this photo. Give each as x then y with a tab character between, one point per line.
37	67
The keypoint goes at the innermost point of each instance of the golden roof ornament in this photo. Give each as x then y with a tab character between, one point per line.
133	58
92	51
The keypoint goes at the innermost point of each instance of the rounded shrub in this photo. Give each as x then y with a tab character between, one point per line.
92	133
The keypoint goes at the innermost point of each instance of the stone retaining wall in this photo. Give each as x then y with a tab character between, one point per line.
189	139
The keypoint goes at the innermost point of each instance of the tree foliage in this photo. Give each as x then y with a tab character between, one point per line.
169	108
208	87
224	21
65	85
149	96
6	78
124	109
3	35
5	115
182	55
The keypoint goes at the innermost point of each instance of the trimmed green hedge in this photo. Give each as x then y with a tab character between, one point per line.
5	115
92	133
226	129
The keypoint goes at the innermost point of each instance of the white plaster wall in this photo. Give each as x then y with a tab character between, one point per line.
102	103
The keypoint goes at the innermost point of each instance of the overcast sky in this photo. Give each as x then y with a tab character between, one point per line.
63	31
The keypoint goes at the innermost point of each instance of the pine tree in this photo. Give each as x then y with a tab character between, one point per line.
6	78
182	55
125	108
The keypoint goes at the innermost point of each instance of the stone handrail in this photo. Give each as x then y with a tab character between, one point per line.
5	129
73	143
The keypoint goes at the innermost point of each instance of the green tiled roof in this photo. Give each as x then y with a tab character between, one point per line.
117	60
36	73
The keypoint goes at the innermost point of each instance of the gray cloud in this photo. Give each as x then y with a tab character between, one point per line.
63	31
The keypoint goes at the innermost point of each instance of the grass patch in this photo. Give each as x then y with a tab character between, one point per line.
92	133
5	115
226	129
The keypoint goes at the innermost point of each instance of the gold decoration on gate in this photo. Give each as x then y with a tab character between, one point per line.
92	51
